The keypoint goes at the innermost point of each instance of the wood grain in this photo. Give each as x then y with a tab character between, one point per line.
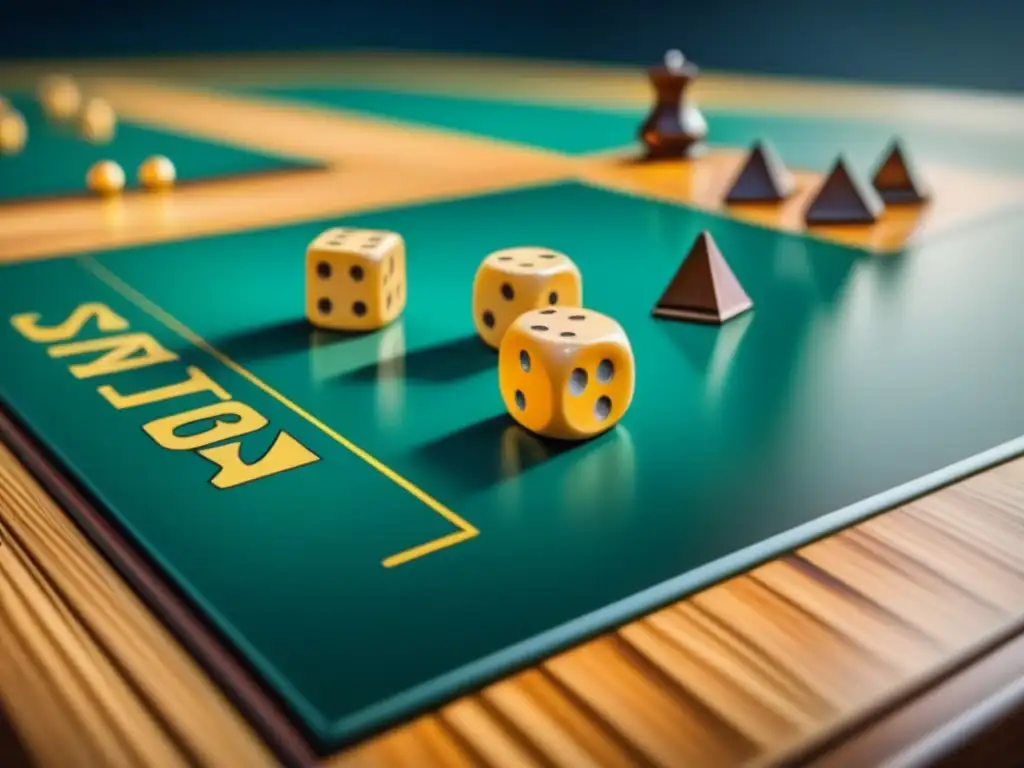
88	676
736	674
743	671
970	715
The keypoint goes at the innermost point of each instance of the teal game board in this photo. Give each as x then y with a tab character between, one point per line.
348	530
803	141
56	158
854	385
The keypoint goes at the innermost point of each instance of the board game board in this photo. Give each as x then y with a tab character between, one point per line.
55	161
410	542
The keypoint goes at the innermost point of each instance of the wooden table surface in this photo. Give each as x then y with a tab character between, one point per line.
879	638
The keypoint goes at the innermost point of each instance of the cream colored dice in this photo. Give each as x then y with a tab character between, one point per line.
60	97
13	132
156	173
355	279
105	178
97	120
516	280
566	373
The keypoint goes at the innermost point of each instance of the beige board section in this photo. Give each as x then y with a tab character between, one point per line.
327	135
959	198
371	152
369	164
65	227
562	82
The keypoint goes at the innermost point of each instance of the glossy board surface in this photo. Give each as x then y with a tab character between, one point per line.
432	544
803	141
57	157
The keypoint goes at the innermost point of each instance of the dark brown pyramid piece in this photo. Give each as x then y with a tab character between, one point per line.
897	181
704	289
844	199
763	179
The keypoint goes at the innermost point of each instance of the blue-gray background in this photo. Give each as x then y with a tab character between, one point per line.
941	42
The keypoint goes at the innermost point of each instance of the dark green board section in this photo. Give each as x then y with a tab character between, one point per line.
855	383
802	141
56	158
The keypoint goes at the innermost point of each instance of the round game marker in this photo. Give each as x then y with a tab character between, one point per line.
674	60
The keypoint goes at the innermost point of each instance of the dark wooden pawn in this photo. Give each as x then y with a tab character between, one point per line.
673	129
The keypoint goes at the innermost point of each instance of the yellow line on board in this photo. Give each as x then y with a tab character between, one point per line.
431	546
466	530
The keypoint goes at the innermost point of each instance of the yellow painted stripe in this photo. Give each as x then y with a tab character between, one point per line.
466	530
414	553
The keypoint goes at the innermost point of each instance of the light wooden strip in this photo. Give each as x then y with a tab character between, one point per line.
1004	584
38	707
111	698
558	82
311	132
967	716
885	634
955	529
925	600
960	197
65	227
742	671
666	729
759	719
1002	523
835	666
97	604
374	164
423	744
564	734
48	652
525	717
382	164
486	735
